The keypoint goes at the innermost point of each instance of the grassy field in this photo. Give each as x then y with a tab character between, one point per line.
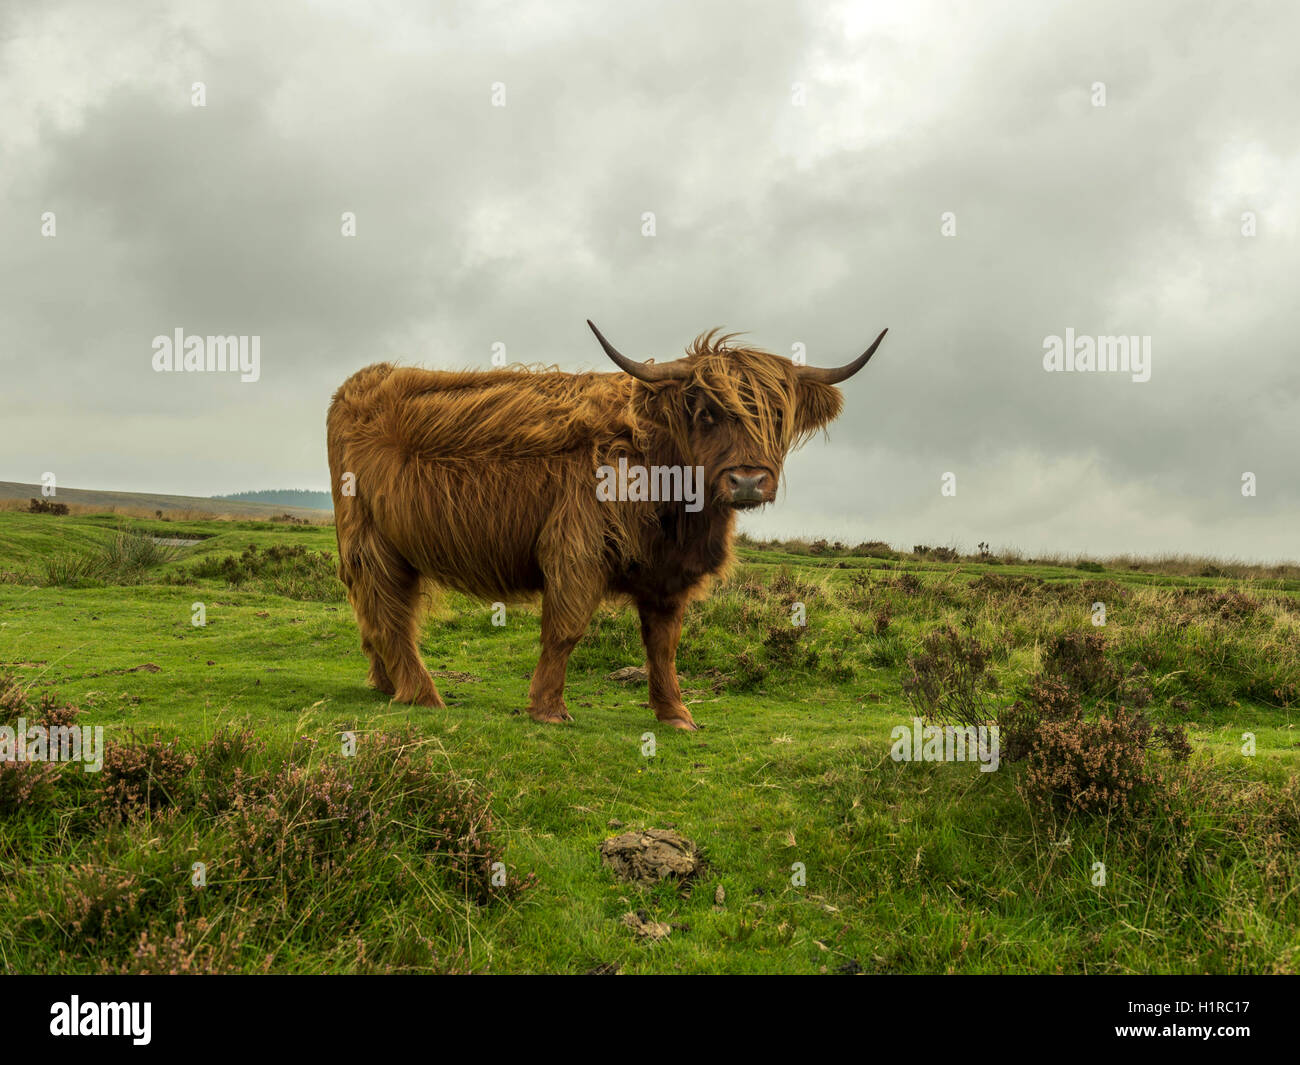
466	839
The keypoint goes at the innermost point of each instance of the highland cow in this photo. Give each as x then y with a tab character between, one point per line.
486	482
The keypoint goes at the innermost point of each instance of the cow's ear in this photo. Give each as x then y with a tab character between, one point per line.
816	406
664	401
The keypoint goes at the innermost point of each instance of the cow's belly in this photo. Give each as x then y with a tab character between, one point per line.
471	527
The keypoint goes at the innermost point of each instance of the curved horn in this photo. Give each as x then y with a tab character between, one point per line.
642	371
840	373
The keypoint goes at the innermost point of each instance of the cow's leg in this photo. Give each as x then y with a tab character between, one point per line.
661	628
385	595
566	613
378	677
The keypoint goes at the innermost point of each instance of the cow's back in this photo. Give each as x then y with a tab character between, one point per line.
466	474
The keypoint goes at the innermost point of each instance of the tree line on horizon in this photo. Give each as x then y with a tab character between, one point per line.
284	497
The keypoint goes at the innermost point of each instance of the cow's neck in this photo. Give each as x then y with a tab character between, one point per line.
688	547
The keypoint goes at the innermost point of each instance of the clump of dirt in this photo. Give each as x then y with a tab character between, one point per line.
652	855
645	928
628	675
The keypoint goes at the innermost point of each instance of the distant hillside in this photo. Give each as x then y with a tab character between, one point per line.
285	497
146	504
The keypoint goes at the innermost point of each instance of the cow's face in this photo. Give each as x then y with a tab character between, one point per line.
737	412
740	412
741	456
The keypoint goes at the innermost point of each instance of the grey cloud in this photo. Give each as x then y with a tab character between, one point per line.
817	225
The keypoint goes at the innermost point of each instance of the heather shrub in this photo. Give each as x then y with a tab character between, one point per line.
193	949
143	776
48	710
1079	660
748	672
303	830
301	821
907	583
1048	699
1227	604
304	820
44	506
1100	765
949	681
223	764
789	588
859	591
451	818
97	903
787	647
1172	738
26	785
53	714
13	699
1134	687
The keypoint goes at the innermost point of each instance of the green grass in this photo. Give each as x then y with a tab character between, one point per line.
909	867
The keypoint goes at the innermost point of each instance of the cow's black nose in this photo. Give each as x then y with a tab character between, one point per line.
746	488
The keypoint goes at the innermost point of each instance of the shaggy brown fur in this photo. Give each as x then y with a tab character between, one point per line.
486	482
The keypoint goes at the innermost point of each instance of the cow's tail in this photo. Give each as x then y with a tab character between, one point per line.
350	408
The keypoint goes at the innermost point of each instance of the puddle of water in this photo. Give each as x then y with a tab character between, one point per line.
172	541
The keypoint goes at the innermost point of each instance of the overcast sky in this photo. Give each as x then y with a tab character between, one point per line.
799	160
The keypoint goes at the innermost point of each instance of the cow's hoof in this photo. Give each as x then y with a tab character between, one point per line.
686	724
550	717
